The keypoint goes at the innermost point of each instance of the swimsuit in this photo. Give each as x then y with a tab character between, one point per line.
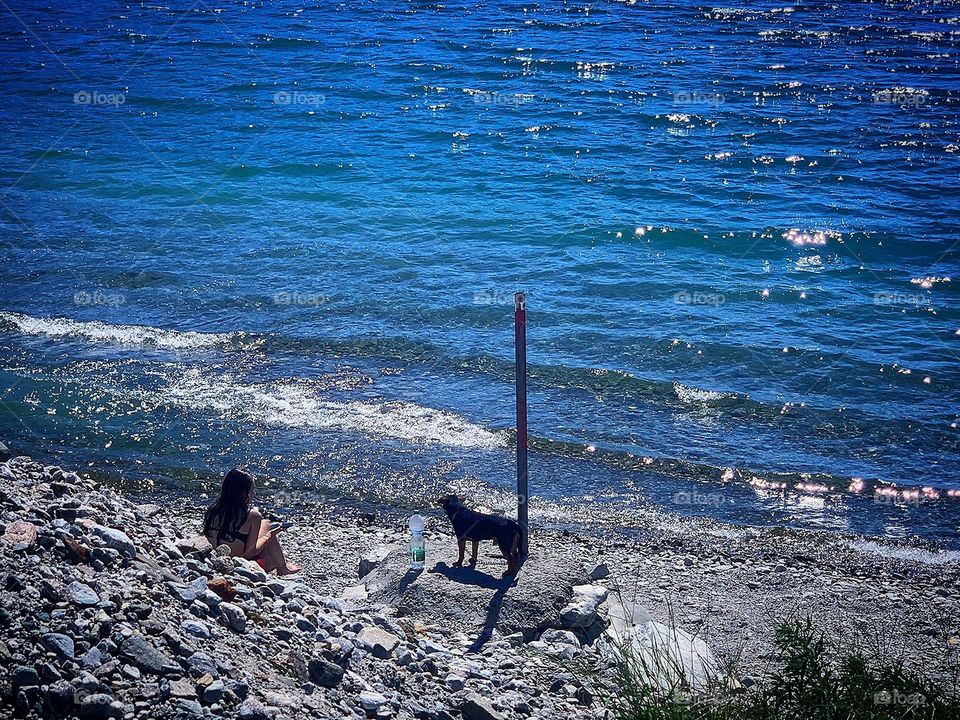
242	537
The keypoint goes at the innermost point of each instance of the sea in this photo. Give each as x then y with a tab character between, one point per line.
287	235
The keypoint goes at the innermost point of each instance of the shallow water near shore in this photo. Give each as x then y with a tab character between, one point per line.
288	236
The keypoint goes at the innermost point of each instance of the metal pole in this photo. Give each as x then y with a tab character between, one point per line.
520	342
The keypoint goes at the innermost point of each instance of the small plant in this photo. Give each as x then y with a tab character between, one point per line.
808	683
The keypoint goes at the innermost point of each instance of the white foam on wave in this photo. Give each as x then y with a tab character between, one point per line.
688	394
117	334
926	557
297	405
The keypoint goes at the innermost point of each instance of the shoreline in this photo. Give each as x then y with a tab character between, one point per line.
853	584
268	653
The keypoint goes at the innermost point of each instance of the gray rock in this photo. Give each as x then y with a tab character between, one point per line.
371	701
60	698
478	708
378	642
305	625
146	657
369	562
253	574
200	663
82	595
325	673
183	688
234	616
455	682
560	637
195	628
61	644
196	545
116	539
599	572
92	658
4	452
184	593
213	693
24	676
100	705
189	708
462	598
251	709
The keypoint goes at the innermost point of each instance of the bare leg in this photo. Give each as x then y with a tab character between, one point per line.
462	544
272	554
473	556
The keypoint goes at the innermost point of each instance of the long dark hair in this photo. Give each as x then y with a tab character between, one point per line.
230	510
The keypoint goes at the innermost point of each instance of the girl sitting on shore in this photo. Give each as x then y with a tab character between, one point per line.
231	521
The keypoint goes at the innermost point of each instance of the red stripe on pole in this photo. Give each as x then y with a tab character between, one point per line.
520	342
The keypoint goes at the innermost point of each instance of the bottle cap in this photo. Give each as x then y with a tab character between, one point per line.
416	524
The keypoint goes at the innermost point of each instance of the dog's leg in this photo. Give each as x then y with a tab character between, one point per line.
462	544
513	556
473	556
509	555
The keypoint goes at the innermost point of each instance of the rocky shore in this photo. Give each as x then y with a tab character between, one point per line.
114	608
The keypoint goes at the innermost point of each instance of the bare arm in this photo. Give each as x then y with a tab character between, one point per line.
255	541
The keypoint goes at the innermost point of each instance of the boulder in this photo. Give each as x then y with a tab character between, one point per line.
61	644
24	676
479	708
196	545
325	673
560	637
371	701
378	642
477	600
116	539
213	693
252	709
665	657
145	656
234	617
599	572
82	595
21	534
581	612
371	561
99	706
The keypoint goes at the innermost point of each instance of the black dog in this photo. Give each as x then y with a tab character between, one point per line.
473	526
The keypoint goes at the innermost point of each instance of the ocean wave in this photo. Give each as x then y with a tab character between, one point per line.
689	395
297	405
918	555
118	334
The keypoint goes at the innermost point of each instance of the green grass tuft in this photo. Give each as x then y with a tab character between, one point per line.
808	683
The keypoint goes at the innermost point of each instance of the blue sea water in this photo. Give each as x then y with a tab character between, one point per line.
288	235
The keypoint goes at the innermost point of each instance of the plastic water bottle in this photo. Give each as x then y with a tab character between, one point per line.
418	550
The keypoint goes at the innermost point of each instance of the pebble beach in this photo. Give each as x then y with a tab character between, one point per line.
114	608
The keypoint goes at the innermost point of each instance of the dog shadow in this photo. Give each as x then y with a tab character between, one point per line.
469	575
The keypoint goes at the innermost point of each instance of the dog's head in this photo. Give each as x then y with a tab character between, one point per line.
450	503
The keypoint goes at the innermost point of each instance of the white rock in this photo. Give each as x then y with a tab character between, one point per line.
582	609
666	655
